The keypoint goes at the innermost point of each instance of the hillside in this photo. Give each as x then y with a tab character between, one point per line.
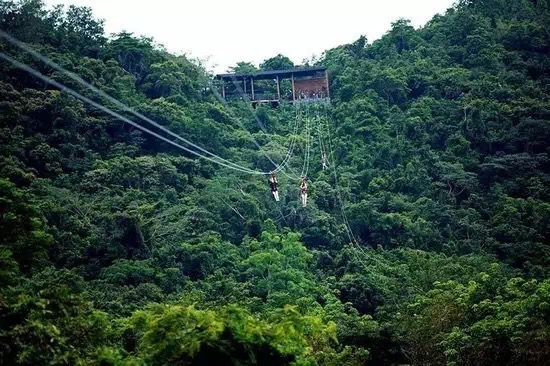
426	242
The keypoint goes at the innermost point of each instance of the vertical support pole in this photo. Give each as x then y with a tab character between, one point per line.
223	89
244	84
326	83
278	90
293	90
252	87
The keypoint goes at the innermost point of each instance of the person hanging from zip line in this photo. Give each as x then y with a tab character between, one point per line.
324	161
274	184
303	191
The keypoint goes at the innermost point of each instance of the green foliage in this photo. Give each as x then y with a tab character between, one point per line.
278	62
47	321
506	324
185	335
118	249
23	239
435	127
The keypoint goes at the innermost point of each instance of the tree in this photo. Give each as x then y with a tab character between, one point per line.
278	62
425	242
23	236
176	334
243	68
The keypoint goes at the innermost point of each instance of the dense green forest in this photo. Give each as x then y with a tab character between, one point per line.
120	249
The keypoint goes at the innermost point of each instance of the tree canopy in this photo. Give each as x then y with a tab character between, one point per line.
427	243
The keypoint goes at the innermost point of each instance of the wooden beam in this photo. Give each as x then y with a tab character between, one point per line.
326	82
252	88
278	89
293	90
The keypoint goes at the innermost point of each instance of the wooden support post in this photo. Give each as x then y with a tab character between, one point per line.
293	90
326	83
278	90
223	89
252	88
244	83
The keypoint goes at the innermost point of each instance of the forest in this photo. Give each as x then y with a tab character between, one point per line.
428	243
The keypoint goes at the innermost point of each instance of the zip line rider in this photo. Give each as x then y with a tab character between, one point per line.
324	161
273	183
303	191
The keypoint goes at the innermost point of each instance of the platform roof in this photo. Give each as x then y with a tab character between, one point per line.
266	75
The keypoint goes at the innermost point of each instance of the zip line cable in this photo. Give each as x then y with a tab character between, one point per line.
294	140
322	146
220	161
307	148
290	152
349	231
305	168
125	107
309	128
249	106
77	78
306	128
278	167
339	195
77	95
292	146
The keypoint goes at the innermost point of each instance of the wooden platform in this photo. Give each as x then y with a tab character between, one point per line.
306	83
